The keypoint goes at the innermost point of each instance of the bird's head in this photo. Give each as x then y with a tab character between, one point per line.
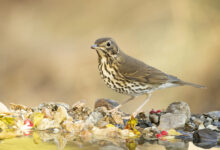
106	47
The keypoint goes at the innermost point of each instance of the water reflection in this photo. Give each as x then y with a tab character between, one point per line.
67	141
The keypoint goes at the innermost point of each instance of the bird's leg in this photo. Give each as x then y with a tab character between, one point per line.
119	106
142	105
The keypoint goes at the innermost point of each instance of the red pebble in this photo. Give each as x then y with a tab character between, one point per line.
159	136
152	112
165	133
158	111
28	122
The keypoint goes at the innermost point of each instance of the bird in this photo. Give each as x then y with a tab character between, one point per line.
130	76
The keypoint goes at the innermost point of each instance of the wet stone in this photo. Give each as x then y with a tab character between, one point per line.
206	138
186	136
180	145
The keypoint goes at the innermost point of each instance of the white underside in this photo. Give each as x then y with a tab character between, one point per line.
166	85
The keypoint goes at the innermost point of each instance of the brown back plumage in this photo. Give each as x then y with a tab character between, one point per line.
135	70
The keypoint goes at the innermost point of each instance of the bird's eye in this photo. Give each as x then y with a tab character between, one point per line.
108	44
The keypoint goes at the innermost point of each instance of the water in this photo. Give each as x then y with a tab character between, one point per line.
45	141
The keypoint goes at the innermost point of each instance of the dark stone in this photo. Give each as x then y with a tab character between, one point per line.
190	127
143	121
108	103
144	124
206	138
186	136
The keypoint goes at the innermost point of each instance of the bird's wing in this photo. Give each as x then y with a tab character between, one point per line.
133	69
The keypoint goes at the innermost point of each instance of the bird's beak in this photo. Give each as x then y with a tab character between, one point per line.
94	46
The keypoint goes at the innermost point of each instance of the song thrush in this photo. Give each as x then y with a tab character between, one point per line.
130	76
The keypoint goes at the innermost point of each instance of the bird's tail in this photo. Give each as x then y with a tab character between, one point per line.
194	85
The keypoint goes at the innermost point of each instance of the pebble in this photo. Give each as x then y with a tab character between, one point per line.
201	126
206	138
212	127
46	124
214	114
169	121
60	115
3	108
108	103
154	118
197	121
94	117
179	108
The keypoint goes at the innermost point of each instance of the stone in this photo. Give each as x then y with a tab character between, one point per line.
117	118
19	107
154	118
201	126
169	121
94	118
79	111
206	138
143	120
190	127
214	114
217	124
68	126
46	112
179	108
212	127
61	114
197	121
148	134
46	124
178	145
3	108
53	105
202	117
108	103
208	121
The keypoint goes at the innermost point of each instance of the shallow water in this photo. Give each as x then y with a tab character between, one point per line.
36	143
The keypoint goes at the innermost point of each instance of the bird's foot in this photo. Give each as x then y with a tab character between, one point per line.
115	110
136	113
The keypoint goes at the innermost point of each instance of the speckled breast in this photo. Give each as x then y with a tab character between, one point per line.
114	80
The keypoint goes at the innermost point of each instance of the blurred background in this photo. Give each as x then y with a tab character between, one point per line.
45	50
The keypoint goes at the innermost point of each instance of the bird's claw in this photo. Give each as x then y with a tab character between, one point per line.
115	110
